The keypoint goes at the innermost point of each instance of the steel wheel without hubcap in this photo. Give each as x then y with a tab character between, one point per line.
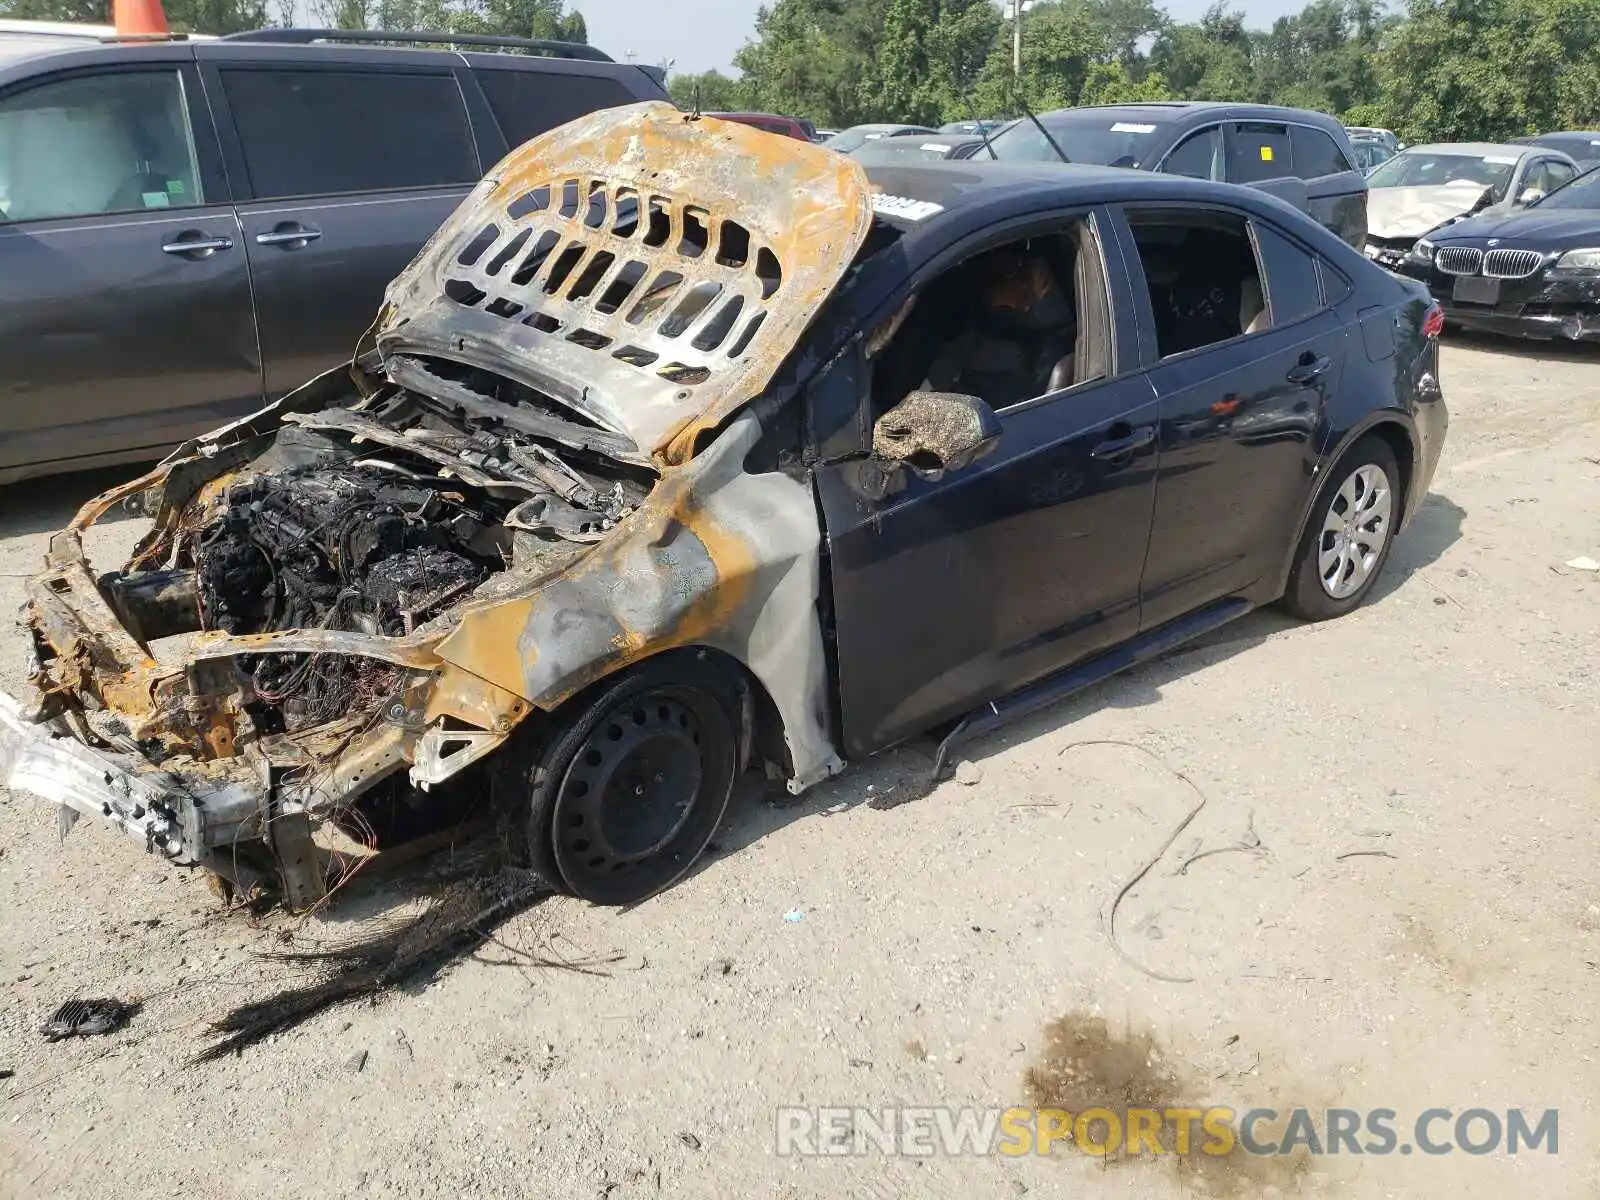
1355	531
631	812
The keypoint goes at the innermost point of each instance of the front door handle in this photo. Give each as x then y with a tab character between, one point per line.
1310	368
195	244
291	235
1124	444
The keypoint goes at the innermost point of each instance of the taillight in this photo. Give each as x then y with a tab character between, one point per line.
1433	323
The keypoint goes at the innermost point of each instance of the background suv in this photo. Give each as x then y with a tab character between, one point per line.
189	228
1304	157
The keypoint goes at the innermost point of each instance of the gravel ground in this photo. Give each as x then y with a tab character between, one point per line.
1406	918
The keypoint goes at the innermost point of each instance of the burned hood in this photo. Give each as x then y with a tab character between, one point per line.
1396	212
648	269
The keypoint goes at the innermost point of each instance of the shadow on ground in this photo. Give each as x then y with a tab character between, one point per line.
465	886
904	774
39	505
1549	351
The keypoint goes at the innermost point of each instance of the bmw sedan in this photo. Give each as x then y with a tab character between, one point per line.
684	450
1533	272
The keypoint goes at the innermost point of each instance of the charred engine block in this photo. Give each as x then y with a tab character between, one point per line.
349	548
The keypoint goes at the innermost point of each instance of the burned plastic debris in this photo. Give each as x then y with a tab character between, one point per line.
87	1018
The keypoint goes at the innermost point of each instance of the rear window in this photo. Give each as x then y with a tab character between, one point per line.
1261	150
1090	137
528	103
889	151
1316	155
323	133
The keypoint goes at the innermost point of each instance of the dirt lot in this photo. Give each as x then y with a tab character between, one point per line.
1418	927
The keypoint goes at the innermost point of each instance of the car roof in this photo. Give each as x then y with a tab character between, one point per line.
1470	149
81	51
1186	111
21	40
993	190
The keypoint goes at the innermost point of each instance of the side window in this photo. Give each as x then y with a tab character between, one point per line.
1007	325
89	145
323	133
1547	175
1292	287
1204	280
527	103
1199	156
1261	150
1336	288
1316	155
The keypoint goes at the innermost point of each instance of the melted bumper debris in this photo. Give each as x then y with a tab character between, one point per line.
457	921
86	1018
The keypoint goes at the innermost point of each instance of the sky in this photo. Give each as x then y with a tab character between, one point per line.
699	35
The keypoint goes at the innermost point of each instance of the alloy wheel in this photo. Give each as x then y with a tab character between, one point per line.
1355	531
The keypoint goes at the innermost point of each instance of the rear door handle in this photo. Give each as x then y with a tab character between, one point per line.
195	244
1309	369
1120	447
291	235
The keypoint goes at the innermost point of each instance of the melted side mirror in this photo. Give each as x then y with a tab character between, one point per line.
934	432
1530	196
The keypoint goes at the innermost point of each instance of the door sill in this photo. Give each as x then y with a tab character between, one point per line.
1071	680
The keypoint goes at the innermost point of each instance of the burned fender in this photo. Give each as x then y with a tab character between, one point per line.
716	557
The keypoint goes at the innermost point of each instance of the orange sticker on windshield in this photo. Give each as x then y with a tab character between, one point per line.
1266	154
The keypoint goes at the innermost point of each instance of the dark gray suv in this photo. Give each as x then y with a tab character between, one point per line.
1302	157
191	228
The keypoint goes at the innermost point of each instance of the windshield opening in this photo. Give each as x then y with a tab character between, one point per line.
1096	139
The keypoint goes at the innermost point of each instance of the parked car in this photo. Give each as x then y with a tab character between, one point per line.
189	228
775	472
785	126
1580	145
1422	188
1385	136
990	127
1369	153
927	147
852	138
824	134
1303	157
1532	272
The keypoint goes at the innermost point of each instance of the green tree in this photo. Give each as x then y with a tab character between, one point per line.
1112	83
1061	41
717	92
1209	60
929	57
1491	68
809	58
184	16
1127	23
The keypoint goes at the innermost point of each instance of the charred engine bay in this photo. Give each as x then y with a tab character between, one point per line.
375	519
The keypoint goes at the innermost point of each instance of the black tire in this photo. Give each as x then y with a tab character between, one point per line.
1307	596
627	788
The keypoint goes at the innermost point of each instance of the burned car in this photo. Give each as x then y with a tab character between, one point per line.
681	450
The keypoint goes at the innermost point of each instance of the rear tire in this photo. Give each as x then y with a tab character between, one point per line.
1349	534
627	790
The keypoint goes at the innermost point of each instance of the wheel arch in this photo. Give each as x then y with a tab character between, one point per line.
1396	429
760	727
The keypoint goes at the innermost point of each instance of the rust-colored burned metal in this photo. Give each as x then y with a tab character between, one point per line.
643	269
664	263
